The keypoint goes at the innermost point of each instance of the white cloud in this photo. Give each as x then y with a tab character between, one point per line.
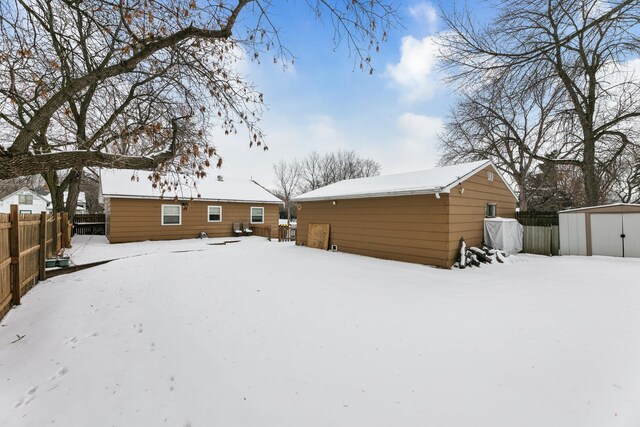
415	147
425	13
323	130
287	139
415	73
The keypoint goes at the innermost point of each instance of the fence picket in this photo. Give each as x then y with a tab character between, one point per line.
25	242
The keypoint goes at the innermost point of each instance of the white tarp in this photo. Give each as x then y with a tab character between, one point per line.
504	234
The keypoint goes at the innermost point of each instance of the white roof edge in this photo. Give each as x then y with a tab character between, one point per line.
28	189
599	206
372	195
446	189
478	169
468	175
200	199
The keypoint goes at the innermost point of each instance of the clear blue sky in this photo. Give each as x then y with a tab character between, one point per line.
322	103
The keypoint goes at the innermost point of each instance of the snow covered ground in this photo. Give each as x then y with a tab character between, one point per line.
260	333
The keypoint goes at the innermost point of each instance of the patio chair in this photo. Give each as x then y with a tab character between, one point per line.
237	230
246	229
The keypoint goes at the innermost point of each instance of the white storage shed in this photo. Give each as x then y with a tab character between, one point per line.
611	230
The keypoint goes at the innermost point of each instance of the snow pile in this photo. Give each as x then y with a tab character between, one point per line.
238	335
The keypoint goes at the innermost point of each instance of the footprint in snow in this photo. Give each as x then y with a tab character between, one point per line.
30	395
60	373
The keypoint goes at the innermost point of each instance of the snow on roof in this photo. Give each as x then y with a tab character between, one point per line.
118	184
429	181
82	198
24	190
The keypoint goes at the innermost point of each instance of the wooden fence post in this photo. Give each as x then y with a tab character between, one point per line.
42	259
54	244
14	252
64	225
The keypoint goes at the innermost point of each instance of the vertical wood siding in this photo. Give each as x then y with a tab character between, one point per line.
130	220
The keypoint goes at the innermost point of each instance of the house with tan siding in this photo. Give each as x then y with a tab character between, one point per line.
136	211
416	217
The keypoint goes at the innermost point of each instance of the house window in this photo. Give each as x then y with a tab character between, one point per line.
490	176
171	214
215	213
25	211
257	215
491	210
25	199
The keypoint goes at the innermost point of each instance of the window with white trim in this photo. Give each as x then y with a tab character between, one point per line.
171	214
257	215
214	214
490	210
25	199
490	176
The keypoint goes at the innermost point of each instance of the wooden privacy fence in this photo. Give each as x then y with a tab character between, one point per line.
541	232
89	224
286	233
26	240
262	231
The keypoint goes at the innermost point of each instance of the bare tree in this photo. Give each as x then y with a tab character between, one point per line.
55	54
320	170
625	178
578	46
493	123
287	177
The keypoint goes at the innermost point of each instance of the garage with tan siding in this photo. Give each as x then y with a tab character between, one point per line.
135	211
415	217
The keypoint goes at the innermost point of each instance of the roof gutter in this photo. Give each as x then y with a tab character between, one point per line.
201	199
372	195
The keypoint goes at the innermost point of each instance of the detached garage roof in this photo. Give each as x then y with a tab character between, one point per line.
118	184
615	207
436	180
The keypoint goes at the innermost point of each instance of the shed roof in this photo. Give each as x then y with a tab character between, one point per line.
621	207
118	184
429	181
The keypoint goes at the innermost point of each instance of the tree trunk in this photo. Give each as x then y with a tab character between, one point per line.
591	185
288	207
73	192
523	196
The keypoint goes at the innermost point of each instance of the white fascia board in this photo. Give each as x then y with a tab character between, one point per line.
475	171
372	195
587	208
187	199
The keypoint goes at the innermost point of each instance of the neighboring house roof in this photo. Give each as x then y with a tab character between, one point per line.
118	184
588	208
430	181
82	198
24	190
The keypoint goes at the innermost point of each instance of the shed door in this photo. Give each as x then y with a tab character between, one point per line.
631	223
606	230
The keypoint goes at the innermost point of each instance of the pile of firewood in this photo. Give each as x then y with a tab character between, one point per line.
474	257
